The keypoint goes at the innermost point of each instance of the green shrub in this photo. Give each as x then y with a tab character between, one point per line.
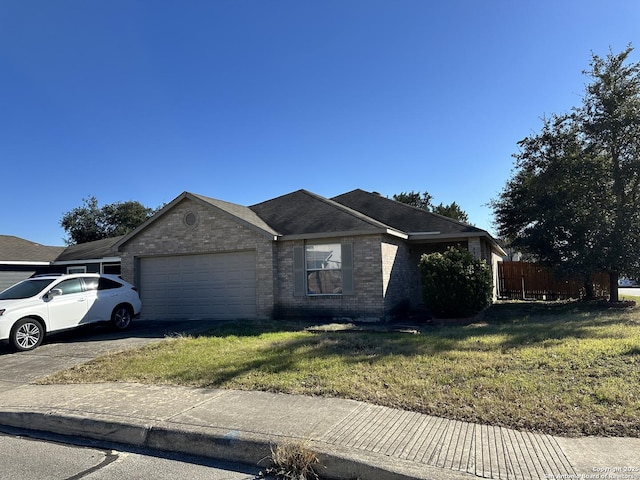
455	284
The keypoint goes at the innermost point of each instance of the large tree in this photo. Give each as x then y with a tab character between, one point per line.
90	222
423	201
574	197
415	199
452	210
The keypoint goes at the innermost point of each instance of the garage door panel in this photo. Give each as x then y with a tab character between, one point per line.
219	285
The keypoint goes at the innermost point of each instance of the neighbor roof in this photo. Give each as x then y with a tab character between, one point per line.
15	249
90	250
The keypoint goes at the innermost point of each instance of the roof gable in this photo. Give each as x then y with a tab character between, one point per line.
240	213
411	220
305	213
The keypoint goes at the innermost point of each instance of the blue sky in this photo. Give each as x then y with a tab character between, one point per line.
248	100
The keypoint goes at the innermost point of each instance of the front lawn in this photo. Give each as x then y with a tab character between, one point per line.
560	368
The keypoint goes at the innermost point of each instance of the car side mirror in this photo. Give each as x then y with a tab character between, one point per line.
54	292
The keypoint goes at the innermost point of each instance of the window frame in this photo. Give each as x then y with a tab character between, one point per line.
76	269
302	271
310	270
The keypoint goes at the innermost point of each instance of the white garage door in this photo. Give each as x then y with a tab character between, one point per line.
217	286
8	279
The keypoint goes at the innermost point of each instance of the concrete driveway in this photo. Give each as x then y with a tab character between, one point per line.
64	350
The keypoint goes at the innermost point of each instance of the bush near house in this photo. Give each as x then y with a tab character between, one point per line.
455	284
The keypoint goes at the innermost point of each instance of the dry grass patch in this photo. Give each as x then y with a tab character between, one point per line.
292	461
568	369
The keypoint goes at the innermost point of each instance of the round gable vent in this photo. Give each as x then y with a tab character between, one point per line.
190	219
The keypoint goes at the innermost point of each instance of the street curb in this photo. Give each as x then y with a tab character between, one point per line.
249	448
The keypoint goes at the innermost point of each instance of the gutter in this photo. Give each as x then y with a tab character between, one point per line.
91	260
438	237
18	262
346	233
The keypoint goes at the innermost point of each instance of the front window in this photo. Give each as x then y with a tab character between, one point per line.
324	268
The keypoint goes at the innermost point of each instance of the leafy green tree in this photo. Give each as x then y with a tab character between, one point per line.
83	224
455	284
452	210
89	222
574	198
122	217
415	199
423	200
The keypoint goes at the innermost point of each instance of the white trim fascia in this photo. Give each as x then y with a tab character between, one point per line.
92	260
346	233
439	237
397	233
18	262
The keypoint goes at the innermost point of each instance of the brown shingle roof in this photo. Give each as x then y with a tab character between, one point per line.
305	213
15	249
401	216
90	250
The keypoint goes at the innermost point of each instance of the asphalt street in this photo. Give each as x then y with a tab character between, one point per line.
28	455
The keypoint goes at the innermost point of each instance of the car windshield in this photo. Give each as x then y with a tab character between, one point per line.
25	289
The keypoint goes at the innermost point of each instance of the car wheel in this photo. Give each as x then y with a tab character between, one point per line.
121	317
27	334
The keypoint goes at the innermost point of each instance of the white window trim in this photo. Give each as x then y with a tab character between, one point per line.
77	269
301	272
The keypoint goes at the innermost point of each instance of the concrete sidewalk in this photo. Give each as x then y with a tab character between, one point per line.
352	439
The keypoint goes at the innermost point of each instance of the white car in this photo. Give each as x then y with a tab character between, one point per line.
39	305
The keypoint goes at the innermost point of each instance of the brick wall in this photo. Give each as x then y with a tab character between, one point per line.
399	274
214	231
367	304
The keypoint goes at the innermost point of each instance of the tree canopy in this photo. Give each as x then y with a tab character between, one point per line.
574	197
452	210
415	199
423	200
90	222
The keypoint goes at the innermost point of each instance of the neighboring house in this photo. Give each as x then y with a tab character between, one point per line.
98	256
354	256
20	259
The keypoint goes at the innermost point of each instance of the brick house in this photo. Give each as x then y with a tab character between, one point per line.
355	255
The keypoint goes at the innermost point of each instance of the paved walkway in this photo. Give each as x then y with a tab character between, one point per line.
353	439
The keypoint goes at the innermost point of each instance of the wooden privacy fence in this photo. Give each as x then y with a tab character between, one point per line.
534	281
